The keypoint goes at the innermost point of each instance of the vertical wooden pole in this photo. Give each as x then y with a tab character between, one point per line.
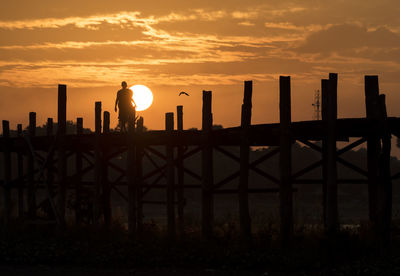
139	175
285	162
62	157
332	219
373	145
106	122
31	170
384	193
20	168
324	113
50	165
105	182
7	173
244	213
78	169
207	168
169	127
180	180
98	164
131	178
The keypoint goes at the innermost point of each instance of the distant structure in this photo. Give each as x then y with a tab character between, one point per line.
317	105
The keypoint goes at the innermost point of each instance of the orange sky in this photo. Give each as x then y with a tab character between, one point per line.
171	46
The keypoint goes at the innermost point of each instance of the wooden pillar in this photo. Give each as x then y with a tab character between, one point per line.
7	173
98	165
332	219
285	162
78	169
207	214
384	188
139	175
20	172
105	183
169	127
180	180
31	170
50	165
106	122
131	175
324	115
244	213
62	157
373	145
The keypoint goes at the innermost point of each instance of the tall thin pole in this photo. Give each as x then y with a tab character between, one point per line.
7	173
62	157
31	170
285	162
180	192
332	218
244	213
207	168
21	184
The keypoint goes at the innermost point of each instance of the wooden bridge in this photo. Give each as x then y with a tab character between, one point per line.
47	158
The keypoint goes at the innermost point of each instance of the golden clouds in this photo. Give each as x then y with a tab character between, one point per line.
106	46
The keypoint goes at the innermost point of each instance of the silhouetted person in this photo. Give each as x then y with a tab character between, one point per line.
125	105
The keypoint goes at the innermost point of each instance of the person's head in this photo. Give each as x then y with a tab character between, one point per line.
124	84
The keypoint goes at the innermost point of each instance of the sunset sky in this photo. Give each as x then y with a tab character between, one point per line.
173	46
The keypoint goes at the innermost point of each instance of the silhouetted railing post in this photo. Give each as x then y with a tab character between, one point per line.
169	127
20	172
373	145
105	183
131	177
31	170
7	173
78	168
285	162
207	168
384	193
324	115
180	192
62	157
332	218
50	165
139	175
98	164
244	213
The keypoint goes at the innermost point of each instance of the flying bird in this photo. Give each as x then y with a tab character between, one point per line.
183	93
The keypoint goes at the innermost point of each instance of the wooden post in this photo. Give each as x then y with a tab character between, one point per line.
78	168
7	173
50	165
62	157
373	145
332	220
180	182
105	183
244	213
139	175
98	164
384	188
106	122
207	168
324	115
169	127
285	162
31	170
20	168
131	177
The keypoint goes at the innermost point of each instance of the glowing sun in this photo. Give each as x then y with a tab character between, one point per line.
142	96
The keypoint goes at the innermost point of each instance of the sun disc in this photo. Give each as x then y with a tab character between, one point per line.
142	96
